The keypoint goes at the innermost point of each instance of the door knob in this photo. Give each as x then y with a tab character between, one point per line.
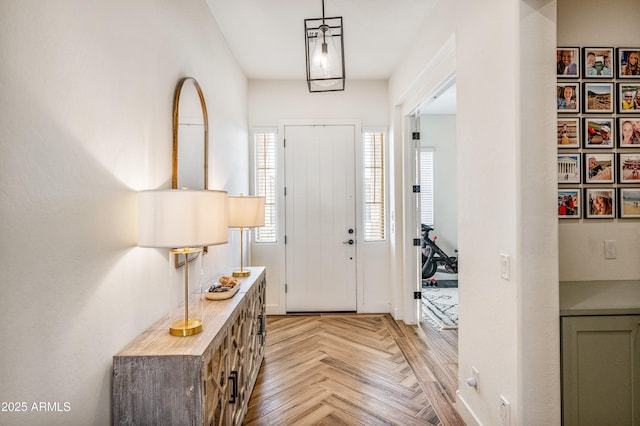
350	242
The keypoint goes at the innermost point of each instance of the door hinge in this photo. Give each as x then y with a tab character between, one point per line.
285	191
417	295
285	288
415	136
284	143
416	242
416	189
285	239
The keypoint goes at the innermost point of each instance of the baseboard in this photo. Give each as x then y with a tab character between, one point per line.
371	308
375	308
273	310
465	412
397	314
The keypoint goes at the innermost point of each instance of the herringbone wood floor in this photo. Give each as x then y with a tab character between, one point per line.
336	369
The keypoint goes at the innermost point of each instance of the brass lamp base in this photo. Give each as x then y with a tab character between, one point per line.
182	329
241	273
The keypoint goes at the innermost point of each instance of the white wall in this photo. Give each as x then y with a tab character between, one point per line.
506	199
428	65
582	241
439	132
274	102
86	106
505	86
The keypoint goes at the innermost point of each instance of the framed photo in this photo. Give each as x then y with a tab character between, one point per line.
629	167
569	132
629	98
600	203
569	168
598	62
568	62
629	132
599	167
598	97
569	203
568	94
598	132
627	63
629	202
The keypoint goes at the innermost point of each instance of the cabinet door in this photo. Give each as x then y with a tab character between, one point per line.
216	384
601	370
237	367
255	334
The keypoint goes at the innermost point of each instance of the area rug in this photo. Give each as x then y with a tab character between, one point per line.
440	307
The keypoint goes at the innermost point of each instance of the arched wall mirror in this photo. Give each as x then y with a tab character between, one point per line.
190	140
190	136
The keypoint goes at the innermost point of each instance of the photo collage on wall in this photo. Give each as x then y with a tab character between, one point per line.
598	132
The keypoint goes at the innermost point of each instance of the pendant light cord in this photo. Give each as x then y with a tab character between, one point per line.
324	27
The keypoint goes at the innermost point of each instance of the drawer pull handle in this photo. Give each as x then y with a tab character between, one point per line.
260	324
233	378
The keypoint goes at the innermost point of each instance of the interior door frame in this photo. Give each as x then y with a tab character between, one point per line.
280	201
411	259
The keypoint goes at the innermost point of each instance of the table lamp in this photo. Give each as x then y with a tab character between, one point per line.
245	212
183	221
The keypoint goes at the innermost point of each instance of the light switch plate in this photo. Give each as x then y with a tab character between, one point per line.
610	249
504	266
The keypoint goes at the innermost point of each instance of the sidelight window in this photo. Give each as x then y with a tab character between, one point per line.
374	186
265	182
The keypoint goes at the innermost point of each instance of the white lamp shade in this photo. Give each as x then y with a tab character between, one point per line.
246	212
181	218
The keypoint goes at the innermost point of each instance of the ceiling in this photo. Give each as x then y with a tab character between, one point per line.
444	103
267	36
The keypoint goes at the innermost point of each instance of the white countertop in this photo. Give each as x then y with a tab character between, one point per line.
600	297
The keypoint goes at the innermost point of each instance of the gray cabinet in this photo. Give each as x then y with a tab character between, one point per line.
205	379
601	370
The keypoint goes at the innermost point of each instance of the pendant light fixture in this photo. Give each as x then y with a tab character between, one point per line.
324	48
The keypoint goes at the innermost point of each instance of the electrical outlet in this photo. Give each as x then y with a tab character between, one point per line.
504	266
505	412
610	249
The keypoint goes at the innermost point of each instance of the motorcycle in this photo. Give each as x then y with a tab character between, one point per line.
434	259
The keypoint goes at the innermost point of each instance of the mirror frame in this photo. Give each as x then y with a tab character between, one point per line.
176	123
176	115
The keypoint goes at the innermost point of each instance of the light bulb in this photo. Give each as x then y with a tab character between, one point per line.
324	59
325	62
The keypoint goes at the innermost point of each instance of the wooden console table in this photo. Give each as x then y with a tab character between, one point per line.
205	379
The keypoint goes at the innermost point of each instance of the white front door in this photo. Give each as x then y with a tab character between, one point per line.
320	218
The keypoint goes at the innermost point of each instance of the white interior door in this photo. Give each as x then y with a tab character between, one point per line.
320	212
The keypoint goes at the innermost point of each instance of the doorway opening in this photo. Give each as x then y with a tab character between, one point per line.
435	157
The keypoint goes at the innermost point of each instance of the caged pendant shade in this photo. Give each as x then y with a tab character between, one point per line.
324	50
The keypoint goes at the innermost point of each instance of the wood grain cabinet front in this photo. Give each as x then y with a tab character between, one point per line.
205	379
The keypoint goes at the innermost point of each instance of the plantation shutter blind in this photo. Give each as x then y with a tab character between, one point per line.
374	186
426	186
265	164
